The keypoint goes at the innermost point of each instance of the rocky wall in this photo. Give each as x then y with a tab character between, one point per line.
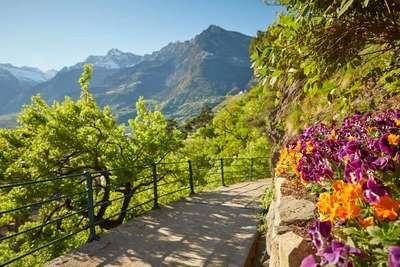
284	246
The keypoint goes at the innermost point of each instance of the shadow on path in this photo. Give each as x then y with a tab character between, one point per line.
213	228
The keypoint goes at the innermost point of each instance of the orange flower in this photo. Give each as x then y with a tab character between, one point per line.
367	222
281	165
342	204
281	168
283	153
310	147
370	129
338	185
387	208
394	139
333	136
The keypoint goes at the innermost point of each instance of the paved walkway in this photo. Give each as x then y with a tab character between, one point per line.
212	228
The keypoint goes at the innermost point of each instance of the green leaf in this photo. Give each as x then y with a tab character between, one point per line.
349	230
330	99
276	73
377	240
273	80
350	242
374	231
345	7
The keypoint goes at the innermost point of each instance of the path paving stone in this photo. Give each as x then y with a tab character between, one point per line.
212	228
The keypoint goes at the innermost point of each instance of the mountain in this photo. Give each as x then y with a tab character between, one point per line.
180	78
16	80
65	82
115	59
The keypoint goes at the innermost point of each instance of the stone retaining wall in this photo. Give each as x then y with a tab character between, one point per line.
285	247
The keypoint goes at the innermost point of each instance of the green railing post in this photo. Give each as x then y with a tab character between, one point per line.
222	173
155	206
251	169
92	223
191	178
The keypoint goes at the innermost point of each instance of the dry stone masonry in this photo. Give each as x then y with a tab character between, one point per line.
286	248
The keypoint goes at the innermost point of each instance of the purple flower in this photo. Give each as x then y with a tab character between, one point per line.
339	253
309	262
315	237
320	233
372	191
354	171
352	146
378	163
383	145
394	256
323	227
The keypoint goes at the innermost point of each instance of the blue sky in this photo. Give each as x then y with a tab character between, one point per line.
56	33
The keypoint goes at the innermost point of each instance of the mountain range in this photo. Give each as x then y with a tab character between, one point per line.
181	78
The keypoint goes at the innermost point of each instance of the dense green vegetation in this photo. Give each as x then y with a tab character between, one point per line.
237	130
71	137
340	49
337	48
329	58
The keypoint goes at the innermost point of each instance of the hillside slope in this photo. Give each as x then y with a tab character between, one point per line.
181	78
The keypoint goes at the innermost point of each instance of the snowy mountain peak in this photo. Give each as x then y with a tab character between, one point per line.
114	52
28	76
114	59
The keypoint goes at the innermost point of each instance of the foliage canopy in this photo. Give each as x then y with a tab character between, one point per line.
70	138
318	38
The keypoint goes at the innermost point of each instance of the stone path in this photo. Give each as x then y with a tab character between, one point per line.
212	228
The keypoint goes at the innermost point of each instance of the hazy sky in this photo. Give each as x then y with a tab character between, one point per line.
56	33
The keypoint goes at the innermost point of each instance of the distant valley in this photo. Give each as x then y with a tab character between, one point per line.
180	79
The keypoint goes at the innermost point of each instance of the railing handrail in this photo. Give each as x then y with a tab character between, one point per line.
183	182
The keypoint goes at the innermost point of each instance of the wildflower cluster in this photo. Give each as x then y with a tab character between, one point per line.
358	167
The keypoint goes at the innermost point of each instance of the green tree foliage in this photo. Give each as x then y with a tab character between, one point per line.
237	130
319	38
203	119
70	138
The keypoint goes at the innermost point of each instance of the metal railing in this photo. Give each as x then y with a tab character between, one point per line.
85	204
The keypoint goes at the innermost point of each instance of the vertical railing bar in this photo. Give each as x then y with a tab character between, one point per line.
251	169
191	178
155	206
222	172
92	223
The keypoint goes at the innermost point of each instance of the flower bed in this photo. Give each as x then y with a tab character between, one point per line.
355	170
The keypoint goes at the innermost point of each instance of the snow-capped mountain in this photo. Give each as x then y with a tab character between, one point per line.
114	59
27	77
15	80
179	78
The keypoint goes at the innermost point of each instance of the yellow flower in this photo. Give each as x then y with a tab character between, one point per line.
397	122
310	147
333	136
370	129
394	139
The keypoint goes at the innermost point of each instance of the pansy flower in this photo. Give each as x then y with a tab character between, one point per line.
394	256
387	208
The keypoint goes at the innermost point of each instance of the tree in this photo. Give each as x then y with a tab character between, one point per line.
204	118
318	38
70	138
